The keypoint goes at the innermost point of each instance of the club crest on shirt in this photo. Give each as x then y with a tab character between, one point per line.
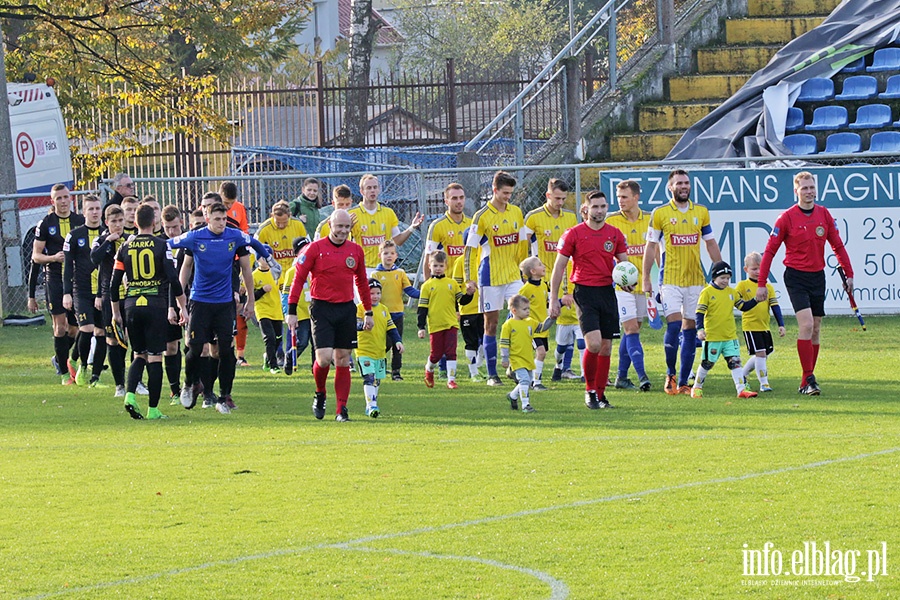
608	245
201	247
673	221
495	228
81	242
350	262
231	246
52	230
820	231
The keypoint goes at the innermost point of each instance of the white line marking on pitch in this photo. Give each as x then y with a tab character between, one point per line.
482	521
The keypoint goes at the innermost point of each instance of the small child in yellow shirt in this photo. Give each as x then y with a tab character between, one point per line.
538	294
268	313
755	322
371	349
516	350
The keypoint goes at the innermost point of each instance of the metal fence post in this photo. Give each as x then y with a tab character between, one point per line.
613	52
451	99
578	193
263	207
320	101
520	134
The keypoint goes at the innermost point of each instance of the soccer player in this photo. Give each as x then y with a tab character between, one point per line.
394	283
103	254
537	292
716	329
335	264
471	322
172	228
446	232
803	229
341	199
679	227
594	247
49	238
80	289
268	313
212	312
634	223
130	205
306	206
755	322
157	214
516	338
495	232
151	292
371	350
375	223
438	302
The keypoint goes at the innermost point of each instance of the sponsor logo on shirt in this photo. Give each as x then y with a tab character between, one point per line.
279	254
456	250
372	240
549	246
506	240
684	239
635	251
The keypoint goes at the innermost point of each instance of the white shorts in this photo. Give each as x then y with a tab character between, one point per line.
494	297
631	306
566	335
680	299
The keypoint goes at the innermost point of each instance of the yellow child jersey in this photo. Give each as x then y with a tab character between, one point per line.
517	335
497	234
635	236
440	295
680	234
372	343
447	235
372	229
472	307
543	231
393	282
718	306
303	302
757	318
538	293
269	305
281	240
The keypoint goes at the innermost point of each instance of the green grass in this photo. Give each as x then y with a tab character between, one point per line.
449	494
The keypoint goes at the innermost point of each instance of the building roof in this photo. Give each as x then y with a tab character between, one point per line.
387	33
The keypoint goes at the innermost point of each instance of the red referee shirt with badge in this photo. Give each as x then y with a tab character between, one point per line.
333	269
804	236
593	253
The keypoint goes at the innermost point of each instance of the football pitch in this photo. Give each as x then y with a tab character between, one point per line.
450	494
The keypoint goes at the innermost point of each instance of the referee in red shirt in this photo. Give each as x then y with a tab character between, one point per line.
333	262
594	248
803	229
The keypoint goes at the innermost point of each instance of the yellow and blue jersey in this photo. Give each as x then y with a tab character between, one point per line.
680	234
718	307
281	241
497	235
635	237
518	336
372	343
370	230
268	306
472	307
448	235
542	231
757	318
393	282
440	295
538	294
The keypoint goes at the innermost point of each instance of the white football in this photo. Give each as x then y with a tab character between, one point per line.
625	274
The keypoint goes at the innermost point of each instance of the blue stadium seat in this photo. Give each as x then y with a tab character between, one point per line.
794	119
857	66
872	116
859	87
893	88
828	117
800	144
817	89
842	143
885	141
885	59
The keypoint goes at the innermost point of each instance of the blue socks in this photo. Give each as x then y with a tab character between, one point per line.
688	350
624	358
670	343
635	351
490	354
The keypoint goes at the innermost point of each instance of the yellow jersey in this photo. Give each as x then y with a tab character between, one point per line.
635	237
757	318
372	343
287	279
269	305
447	235
393	282
281	240
497	234
472	307
543	231
718	306
517	335
440	295
538	294
680	234
370	230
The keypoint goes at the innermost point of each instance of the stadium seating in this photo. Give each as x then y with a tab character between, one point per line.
842	143
858	87
794	119
885	141
893	88
857	66
800	144
817	89
828	117
885	59
872	116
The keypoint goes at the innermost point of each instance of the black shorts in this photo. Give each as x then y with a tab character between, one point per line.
146	327
106	311
174	332
541	343
333	325
212	321
597	310
759	340
806	290
472	328
85	313
53	292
